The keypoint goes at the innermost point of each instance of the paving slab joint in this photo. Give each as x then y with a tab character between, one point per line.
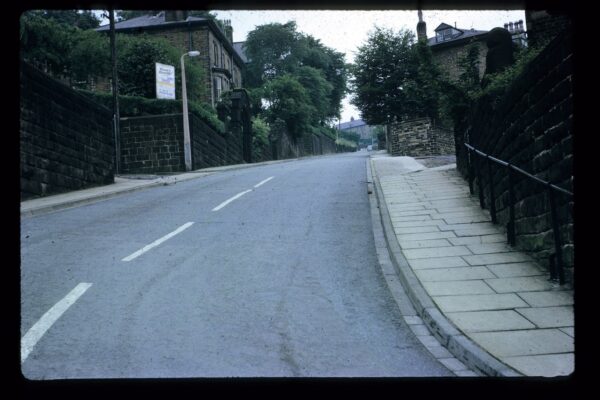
449	336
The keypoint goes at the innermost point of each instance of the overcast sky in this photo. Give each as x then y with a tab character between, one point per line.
344	31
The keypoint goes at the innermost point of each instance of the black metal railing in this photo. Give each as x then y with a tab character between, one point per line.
556	259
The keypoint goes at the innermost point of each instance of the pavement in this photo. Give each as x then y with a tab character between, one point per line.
490	305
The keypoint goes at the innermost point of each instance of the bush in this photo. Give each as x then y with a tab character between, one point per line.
134	106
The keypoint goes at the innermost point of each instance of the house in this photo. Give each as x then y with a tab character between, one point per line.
451	44
358	126
221	61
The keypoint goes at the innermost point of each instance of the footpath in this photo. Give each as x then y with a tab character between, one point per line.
492	306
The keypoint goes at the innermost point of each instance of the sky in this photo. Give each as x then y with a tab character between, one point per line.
345	31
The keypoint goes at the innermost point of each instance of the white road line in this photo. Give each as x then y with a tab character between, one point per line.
237	196
263	182
35	333
157	242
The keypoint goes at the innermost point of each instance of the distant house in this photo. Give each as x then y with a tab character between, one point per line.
360	127
220	59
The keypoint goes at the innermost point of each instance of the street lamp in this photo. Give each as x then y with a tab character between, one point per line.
187	150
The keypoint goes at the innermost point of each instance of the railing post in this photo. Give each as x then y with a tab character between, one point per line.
492	192
557	242
470	170
480	185
510	227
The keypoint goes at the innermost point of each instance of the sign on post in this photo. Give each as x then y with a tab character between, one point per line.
165	81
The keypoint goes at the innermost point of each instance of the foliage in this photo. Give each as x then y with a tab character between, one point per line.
457	97
260	136
88	56
495	85
380	76
350	135
272	51
318	90
82	19
277	54
135	106
346	143
289	101
46	43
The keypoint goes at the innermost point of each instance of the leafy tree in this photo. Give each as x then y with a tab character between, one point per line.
288	101
82	19
90	56
277	50
272	50
318	90
136	67
380	74
46	42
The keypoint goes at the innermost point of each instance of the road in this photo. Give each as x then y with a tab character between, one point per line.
229	275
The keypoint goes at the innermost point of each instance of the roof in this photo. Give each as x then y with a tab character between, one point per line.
239	48
458	38
157	22
146	21
352	124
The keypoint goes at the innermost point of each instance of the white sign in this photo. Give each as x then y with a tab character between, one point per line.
165	81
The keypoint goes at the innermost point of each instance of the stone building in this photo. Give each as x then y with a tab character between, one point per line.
222	63
358	126
451	44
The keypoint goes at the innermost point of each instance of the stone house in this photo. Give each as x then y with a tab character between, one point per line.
451	44
222	63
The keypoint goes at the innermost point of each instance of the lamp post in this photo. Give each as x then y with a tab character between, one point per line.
187	150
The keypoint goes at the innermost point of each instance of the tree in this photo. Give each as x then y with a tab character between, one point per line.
46	43
136	67
318	90
288	101
379	76
277	50
272	50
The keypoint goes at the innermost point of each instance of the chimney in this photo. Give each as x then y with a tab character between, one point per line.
228	30
510	27
421	28
175	15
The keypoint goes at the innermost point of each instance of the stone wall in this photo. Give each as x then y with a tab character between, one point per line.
448	58
530	127
419	137
154	144
66	140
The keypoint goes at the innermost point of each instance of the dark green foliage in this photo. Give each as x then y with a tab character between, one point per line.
278	54
380	74
46	43
350	136
81	19
134	106
288	101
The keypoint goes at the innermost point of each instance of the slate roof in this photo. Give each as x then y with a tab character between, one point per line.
352	124
145	21
239	48
463	34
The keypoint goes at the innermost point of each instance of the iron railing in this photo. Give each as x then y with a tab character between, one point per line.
556	259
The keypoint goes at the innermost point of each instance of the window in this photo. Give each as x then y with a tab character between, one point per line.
216	54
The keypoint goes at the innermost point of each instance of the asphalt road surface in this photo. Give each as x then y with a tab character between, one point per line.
229	275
